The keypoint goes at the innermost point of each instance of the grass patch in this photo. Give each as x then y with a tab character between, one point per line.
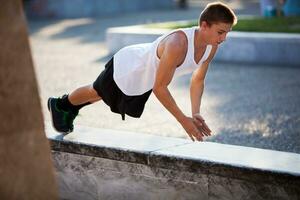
277	24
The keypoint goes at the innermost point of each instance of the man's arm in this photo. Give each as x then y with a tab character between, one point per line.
197	86
173	55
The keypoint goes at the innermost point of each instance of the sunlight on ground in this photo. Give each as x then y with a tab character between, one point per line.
62	25
266	127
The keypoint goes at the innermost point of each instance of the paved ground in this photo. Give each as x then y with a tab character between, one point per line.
246	105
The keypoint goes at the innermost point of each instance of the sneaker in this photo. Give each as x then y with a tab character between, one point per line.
62	120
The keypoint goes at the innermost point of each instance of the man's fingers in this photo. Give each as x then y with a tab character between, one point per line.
191	136
203	124
199	136
200	126
206	128
202	131
205	132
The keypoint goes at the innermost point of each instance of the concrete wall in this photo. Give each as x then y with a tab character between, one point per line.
107	164
91	8
261	48
245	47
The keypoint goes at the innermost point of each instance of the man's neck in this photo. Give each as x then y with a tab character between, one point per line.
199	39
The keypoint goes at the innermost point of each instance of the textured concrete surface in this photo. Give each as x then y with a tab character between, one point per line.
247	105
26	168
100	163
87	177
157	150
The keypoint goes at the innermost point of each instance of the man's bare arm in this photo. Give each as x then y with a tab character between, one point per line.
172	56
197	88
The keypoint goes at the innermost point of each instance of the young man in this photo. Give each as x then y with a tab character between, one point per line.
138	70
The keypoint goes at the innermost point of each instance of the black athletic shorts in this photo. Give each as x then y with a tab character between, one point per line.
119	102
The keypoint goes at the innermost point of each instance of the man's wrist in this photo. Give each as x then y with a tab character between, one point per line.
181	118
196	113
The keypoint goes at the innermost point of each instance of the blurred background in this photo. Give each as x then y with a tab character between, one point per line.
249	105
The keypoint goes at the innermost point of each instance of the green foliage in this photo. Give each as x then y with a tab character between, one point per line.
255	24
278	24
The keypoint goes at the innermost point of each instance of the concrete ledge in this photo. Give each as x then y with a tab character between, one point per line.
106	164
246	47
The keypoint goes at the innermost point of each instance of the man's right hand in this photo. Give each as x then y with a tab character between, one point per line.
188	124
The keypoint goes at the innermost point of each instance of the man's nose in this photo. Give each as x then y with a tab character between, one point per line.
223	37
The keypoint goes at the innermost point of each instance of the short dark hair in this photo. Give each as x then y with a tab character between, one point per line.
217	12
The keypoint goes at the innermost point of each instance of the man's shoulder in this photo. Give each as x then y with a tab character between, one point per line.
177	42
178	38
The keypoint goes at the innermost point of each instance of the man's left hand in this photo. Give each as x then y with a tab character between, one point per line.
201	124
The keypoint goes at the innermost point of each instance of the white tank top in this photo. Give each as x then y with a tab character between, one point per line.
135	66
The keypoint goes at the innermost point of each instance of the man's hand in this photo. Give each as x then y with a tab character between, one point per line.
191	129
201	125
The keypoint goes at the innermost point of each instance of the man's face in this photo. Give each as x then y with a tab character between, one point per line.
216	33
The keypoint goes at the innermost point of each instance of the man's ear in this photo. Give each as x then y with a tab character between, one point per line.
204	25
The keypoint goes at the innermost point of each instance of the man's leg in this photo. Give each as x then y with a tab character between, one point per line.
65	109
83	95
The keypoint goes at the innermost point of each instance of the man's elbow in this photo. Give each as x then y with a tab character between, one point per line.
157	90
197	81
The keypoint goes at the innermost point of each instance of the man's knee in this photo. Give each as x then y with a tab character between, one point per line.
92	91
